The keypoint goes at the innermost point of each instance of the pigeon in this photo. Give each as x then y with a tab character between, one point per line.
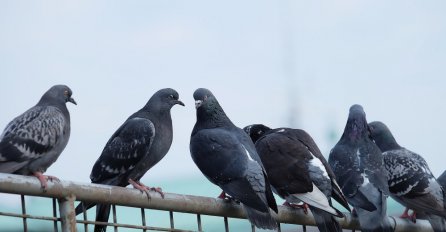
138	144
442	180
410	180
227	157
299	172
359	168
34	140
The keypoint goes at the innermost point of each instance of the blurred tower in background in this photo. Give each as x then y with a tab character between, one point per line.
287	28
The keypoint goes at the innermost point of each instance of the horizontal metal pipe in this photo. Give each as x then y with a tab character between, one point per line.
17	184
131	226
28	216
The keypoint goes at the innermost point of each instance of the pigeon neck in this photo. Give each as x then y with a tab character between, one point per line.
212	116
386	142
156	112
49	100
355	130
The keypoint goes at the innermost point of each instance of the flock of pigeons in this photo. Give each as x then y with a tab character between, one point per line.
365	167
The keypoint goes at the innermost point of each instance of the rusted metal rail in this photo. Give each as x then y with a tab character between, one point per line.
66	192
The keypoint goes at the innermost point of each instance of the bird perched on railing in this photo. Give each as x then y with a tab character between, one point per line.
227	157
34	140
359	168
140	143
411	182
298	172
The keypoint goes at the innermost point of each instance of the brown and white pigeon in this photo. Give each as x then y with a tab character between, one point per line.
298	172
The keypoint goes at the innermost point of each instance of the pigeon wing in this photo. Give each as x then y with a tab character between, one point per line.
278	150
227	163
347	167
127	146
372	162
32	134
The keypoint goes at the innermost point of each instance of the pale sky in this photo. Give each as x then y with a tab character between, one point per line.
265	61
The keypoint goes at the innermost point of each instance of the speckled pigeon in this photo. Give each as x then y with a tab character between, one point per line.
34	140
359	168
411	182
227	157
140	143
299	172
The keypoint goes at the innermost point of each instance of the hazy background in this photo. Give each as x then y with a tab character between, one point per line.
281	63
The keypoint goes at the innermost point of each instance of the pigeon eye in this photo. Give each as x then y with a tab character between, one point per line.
171	96
65	93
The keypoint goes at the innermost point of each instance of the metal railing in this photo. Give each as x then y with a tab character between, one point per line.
67	192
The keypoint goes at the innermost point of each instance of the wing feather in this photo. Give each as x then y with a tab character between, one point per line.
127	146
32	134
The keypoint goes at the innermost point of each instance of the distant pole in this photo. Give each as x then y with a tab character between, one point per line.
289	63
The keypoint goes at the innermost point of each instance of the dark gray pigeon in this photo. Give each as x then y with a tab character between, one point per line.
227	157
34	140
359	168
140	143
298	172
411	182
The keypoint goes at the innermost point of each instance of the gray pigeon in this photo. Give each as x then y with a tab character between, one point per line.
298	172
34	140
140	143
359	168
227	157
411	182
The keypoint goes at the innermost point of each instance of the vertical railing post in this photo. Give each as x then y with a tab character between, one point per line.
67	213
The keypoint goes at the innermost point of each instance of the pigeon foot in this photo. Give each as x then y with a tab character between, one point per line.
227	198
44	179
145	189
303	206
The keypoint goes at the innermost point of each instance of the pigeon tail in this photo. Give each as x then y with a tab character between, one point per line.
262	220
102	214
438	223
337	194
80	207
375	221
325	222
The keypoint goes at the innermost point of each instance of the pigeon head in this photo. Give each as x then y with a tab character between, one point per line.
203	96
208	108
59	94
382	136
255	131
356	126
164	100
206	101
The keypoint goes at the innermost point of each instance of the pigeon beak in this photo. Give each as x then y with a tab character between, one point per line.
72	100
198	103
179	102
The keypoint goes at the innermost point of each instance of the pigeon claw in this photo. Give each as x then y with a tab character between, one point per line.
140	187
412	217
143	188
222	195
405	213
227	198
304	206
158	190
44	179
